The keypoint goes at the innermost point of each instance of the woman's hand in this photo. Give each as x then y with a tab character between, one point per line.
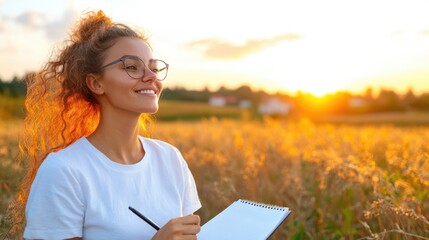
182	228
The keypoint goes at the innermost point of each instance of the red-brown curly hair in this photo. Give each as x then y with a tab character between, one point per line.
60	107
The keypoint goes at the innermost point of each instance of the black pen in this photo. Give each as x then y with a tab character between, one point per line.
144	218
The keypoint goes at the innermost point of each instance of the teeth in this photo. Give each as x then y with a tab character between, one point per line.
146	91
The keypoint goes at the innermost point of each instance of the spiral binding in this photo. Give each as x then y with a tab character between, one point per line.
263	205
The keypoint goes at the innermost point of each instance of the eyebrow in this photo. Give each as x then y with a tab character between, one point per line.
135	56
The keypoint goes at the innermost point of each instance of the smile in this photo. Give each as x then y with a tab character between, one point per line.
146	91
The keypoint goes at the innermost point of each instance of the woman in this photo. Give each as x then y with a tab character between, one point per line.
86	109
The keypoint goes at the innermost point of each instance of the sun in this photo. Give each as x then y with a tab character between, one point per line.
311	66
319	79
319	88
296	73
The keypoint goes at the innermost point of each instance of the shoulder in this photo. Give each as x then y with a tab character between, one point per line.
164	153
58	175
158	145
64	160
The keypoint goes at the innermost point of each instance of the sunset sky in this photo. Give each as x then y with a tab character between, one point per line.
314	46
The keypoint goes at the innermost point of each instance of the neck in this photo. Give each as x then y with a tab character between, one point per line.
117	137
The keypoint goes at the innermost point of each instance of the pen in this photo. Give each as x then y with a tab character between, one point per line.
144	218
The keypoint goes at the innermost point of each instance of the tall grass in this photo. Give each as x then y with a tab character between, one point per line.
340	181
11	107
10	170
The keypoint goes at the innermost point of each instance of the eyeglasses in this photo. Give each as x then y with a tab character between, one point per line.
136	68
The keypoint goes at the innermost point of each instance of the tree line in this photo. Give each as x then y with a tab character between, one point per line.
341	102
14	88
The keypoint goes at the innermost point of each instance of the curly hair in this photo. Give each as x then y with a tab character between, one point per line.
60	107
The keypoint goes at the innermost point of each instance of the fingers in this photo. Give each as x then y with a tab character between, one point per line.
180	228
190	219
188	225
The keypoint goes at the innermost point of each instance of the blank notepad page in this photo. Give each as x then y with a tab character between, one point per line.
244	220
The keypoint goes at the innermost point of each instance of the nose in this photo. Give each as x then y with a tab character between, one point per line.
149	76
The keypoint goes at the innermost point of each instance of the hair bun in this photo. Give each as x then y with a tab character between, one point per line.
89	24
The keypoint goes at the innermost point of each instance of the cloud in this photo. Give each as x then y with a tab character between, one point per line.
58	29
54	29
31	19
219	49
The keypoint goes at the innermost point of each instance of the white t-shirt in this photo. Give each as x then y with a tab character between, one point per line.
79	192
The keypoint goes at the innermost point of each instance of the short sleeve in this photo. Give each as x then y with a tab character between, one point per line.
55	207
191	201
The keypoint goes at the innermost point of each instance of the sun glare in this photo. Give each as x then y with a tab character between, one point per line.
320	65
321	88
293	67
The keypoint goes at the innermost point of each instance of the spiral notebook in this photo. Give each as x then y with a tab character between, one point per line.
244	219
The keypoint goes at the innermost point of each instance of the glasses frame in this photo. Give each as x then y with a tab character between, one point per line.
123	58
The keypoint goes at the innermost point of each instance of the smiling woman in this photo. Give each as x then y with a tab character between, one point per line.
87	159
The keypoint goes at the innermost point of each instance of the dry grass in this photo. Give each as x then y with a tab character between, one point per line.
340	181
10	171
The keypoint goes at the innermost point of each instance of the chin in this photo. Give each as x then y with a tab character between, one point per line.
151	110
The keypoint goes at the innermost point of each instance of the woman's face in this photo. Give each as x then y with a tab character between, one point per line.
122	92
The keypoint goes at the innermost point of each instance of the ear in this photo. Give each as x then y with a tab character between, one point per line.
93	83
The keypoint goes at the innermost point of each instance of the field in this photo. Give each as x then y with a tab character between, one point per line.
341	181
10	170
190	111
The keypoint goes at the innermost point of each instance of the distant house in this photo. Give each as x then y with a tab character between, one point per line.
231	100
274	106
217	100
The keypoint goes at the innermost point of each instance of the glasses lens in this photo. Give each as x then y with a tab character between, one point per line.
134	67
160	68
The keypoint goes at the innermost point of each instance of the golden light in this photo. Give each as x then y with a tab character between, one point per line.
298	66
321	65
